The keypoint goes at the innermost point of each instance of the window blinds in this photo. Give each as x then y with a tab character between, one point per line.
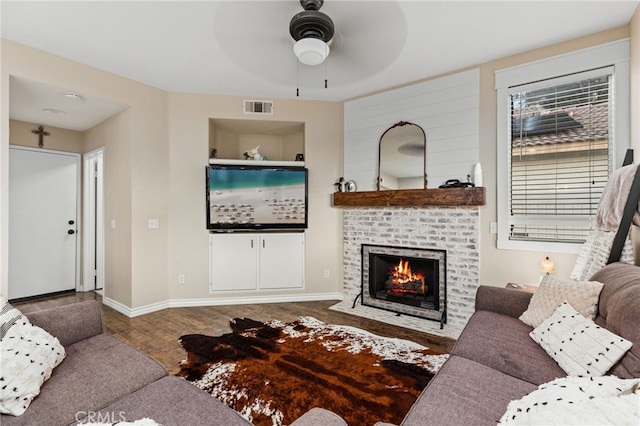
559	162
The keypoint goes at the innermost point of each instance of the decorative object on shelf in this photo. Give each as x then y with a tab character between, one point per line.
299	157
351	186
477	175
455	183
312	30
340	185
213	153
254	154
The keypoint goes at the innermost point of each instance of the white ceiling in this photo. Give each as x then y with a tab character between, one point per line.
243	48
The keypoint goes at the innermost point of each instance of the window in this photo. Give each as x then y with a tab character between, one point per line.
559	161
557	147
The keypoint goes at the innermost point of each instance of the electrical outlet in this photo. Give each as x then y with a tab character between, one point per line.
154	224
113	224
327	273
181	279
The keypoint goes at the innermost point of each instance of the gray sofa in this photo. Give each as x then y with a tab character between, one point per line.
495	361
103	380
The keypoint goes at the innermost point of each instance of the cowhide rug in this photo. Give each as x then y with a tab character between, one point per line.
274	372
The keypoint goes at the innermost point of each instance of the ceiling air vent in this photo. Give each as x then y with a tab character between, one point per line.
258	107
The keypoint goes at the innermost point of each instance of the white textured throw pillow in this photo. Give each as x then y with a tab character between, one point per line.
577	344
580	401
582	295
28	355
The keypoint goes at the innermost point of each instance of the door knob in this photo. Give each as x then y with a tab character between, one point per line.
71	232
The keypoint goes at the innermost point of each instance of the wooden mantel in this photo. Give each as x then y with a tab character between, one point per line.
411	198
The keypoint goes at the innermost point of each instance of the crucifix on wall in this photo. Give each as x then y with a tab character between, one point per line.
41	134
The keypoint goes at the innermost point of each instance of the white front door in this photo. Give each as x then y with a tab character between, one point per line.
43	208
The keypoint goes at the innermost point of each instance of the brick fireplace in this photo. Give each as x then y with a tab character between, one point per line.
405	280
454	230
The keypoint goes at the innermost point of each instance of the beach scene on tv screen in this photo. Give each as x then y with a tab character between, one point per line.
260	196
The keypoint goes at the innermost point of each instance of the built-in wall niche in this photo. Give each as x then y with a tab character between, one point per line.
278	140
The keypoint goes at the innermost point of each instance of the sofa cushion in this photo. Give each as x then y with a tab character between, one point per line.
70	323
169	401
28	355
466	393
577	344
502	342
96	372
583	296
618	312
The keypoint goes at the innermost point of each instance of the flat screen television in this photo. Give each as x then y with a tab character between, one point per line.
243	197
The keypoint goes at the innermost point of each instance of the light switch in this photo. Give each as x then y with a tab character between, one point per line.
113	224
154	224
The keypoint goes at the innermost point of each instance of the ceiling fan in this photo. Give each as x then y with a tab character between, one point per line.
363	41
313	31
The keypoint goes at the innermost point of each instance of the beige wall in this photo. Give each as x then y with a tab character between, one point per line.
58	139
497	267
114	135
188	238
145	159
155	152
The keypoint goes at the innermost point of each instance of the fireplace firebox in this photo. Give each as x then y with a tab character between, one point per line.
405	280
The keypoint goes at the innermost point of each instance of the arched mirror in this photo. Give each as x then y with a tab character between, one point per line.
402	159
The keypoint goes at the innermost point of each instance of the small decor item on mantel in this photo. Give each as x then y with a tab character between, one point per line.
340	185
213	154
351	186
299	157
477	174
254	154
455	183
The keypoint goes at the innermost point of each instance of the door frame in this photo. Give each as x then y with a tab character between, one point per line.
78	200
93	244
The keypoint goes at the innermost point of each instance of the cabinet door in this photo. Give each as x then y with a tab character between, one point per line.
233	262
281	261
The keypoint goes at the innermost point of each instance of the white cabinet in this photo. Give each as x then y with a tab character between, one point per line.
233	262
265	261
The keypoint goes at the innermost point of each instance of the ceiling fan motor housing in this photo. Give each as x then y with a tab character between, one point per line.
311	23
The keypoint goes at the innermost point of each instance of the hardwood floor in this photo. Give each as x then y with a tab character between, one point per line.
157	333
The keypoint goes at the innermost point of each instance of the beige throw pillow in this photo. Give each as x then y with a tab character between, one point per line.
582	295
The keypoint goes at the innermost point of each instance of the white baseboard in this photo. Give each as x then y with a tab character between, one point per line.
189	303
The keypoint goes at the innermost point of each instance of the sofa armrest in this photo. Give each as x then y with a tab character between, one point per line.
70	323
504	301
319	417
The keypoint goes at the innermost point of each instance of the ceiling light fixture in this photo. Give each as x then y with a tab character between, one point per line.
312	30
53	111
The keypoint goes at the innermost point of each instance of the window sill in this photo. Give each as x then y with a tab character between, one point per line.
539	246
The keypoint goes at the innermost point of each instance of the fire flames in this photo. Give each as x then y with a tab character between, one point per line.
404	281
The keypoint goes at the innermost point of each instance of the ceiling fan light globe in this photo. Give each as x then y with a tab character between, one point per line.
311	51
